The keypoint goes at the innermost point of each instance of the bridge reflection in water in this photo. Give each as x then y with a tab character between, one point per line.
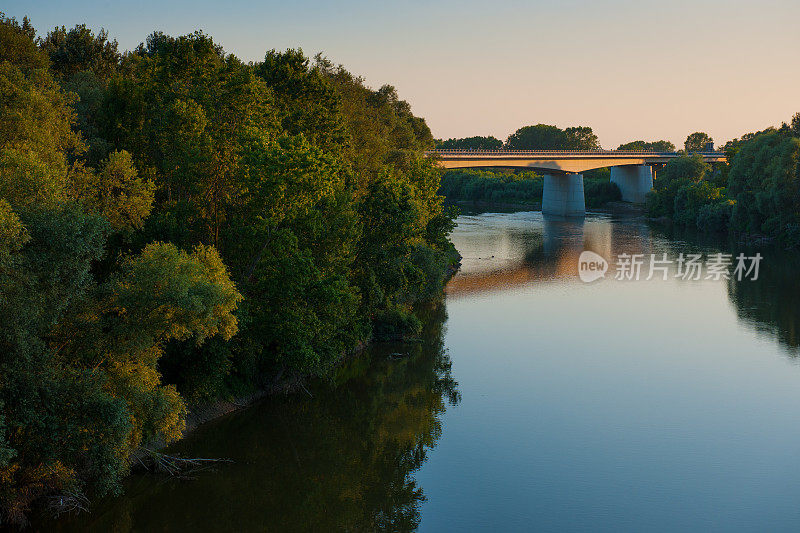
532	248
527	248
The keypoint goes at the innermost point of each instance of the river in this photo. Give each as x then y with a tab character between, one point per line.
535	401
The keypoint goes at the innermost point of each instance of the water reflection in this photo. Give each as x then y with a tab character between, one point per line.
617	405
519	249
341	461
611	406
771	304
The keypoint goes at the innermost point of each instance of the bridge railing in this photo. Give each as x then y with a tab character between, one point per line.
563	152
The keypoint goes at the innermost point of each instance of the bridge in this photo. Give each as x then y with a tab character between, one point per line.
632	170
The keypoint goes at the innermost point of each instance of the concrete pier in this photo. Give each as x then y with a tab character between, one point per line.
563	195
634	181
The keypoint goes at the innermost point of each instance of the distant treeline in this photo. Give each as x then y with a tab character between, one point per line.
523	188
547	137
757	192
176	227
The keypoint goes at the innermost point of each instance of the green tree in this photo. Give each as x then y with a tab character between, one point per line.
545	137
79	390
676	174
307	103
471	143
764	179
116	192
654	146
80	50
581	138
19	45
697	142
538	137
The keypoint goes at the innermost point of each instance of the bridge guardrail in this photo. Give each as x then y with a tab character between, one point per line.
564	152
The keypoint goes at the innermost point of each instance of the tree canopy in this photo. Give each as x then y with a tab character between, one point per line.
650	146
545	137
697	142
471	143
177	226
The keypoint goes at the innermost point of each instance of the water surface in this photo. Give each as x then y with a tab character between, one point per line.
534	402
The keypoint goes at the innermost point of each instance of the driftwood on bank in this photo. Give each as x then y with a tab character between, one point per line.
175	465
67	502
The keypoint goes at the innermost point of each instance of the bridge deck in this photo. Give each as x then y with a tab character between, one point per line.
558	160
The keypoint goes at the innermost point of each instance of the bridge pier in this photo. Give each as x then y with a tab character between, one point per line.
563	195
634	181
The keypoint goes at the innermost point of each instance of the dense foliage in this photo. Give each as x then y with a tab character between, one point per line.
177	226
756	192
342	459
654	146
497	187
471	143
698	142
521	188
545	137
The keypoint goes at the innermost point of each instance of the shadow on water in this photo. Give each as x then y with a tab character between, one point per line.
342	460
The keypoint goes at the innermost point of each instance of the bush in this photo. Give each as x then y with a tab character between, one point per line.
492	186
598	192
525	187
715	216
395	323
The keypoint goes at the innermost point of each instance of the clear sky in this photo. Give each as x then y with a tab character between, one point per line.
630	69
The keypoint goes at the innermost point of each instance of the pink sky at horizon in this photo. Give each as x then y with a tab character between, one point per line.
630	70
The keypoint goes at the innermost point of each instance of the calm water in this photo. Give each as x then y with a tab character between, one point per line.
535	402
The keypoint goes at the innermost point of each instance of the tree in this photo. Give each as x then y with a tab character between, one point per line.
538	137
308	104
678	173
19	45
181	115
581	138
654	146
471	143
697	142
545	137
764	179
283	202
79	387
116	192
80	50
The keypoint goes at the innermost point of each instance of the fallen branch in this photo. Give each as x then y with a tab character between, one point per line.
67	502
177	466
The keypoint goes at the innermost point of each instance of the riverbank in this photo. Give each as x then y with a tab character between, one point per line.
387	436
280	384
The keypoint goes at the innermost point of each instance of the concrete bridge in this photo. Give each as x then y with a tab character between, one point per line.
633	171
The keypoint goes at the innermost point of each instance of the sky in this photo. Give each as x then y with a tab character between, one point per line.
629	69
